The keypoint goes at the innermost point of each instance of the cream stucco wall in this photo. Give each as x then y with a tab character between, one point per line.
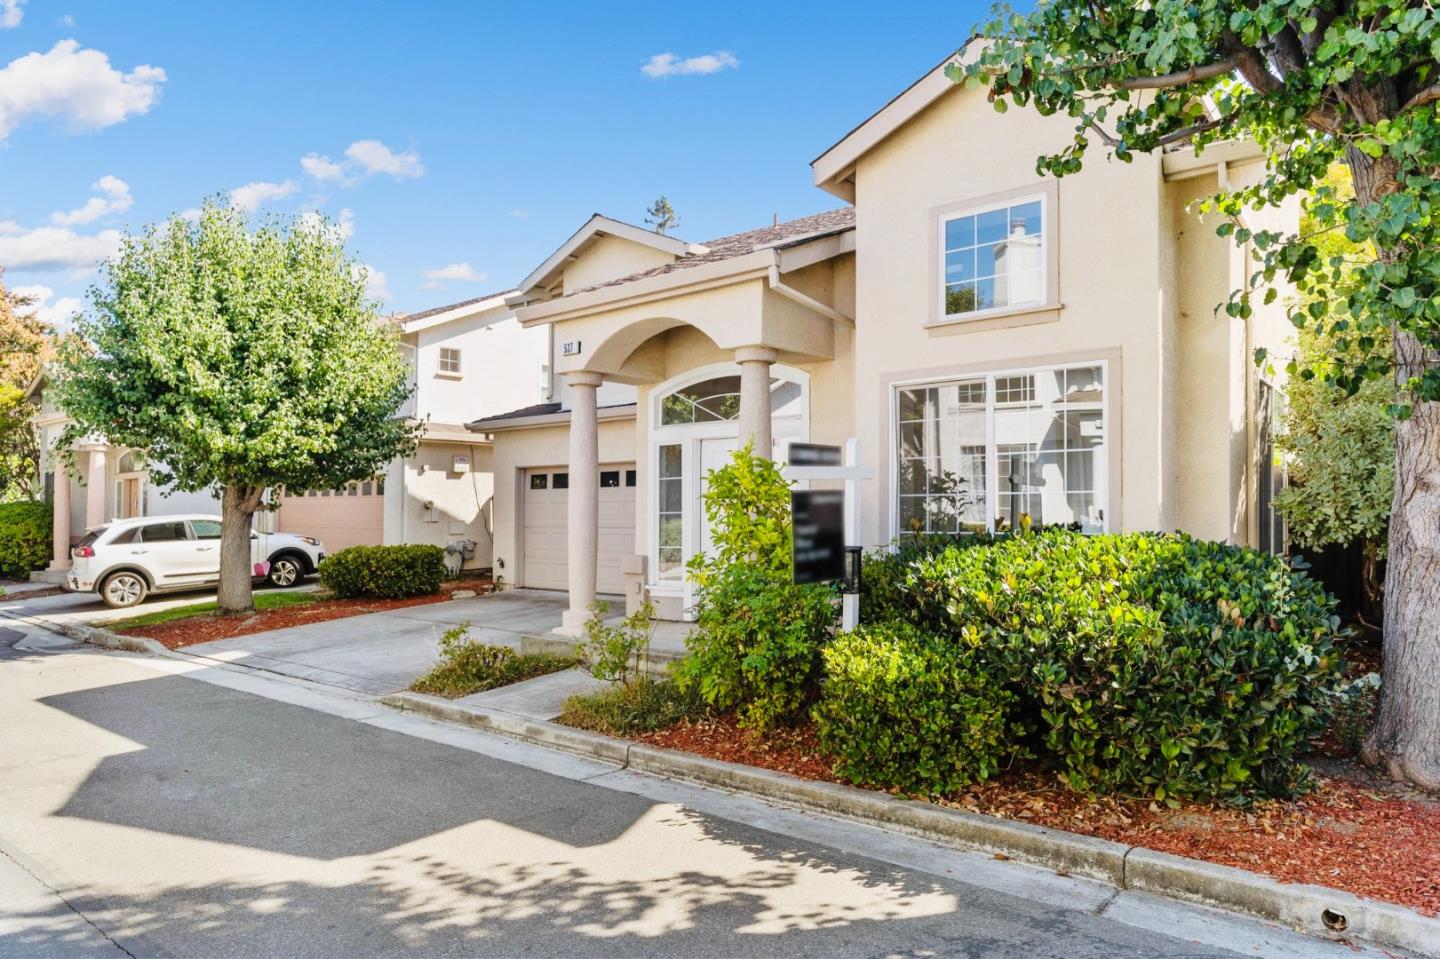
518	450
461	502
502	367
609	258
1111	295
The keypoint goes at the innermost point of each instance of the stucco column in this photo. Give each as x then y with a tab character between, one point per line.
755	396
95	489
584	500
60	525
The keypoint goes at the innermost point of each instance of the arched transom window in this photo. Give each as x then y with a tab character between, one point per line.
717	400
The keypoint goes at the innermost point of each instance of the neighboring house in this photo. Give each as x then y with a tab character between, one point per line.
1003	344
113	483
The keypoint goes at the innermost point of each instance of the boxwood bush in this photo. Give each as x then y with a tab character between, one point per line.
902	708
1144	663
25	537
384	572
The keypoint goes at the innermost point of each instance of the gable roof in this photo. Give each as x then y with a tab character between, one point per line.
543	280
834	169
411	322
776	236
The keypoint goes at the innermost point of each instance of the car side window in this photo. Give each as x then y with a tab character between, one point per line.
163	532
205	528
124	536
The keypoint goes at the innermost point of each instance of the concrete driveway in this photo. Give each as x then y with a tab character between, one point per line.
382	652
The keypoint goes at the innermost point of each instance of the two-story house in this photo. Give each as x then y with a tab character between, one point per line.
1003	344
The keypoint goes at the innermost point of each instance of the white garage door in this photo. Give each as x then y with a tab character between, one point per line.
546	518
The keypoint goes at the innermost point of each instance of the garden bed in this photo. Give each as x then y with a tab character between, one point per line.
201	623
1354	832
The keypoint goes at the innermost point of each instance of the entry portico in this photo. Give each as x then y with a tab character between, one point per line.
724	346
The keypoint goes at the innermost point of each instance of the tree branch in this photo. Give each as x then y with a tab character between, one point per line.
1185	133
1250	64
1428	95
1180	78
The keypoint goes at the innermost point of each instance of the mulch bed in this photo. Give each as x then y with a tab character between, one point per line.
1354	832
208	627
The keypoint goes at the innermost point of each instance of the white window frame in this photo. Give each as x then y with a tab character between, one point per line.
688	436
992	460
1046	293
441	359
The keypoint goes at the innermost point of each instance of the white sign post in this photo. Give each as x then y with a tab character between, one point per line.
851	472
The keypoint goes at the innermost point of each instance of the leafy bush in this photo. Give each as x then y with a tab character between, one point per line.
618	653
901	708
25	537
384	572
883	592
639	707
467	667
1352	706
1155	664
757	638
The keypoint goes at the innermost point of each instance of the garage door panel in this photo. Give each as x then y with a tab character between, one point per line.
546	533
354	516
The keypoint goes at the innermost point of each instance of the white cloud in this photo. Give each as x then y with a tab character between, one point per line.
373	157
114	198
670	65
251	196
11	14
322	168
10	228
343	225
66	21
49	249
57	314
376	286
452	273
79	85
190	214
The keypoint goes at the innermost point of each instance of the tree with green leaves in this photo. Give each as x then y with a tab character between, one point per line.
238	359
23	344
1313	82
662	216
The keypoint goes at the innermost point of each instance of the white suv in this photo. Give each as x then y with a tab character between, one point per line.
128	559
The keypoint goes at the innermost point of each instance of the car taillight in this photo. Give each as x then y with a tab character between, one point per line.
83	552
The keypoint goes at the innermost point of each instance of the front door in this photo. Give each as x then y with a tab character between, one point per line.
130	496
714	455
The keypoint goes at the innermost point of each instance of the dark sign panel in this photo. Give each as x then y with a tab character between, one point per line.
819	549
814	454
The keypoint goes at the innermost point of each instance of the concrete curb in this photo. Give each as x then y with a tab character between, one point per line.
96	636
1318	910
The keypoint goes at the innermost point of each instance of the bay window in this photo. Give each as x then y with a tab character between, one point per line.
981	453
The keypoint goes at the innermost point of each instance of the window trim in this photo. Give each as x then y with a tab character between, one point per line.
1048	306
440	369
1108	493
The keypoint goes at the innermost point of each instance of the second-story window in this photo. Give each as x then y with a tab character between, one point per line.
993	258
449	361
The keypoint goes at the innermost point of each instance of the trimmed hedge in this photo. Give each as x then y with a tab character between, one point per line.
384	572
25	537
1144	663
900	708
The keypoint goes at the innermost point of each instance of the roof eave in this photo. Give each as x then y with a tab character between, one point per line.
622	412
543	276
460	312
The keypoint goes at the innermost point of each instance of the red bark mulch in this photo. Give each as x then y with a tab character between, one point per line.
208	627
1353	832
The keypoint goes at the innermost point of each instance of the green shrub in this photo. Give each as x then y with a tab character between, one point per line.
25	537
756	643
467	667
639	707
884	595
384	572
901	708
618	653
1352	706
1151	664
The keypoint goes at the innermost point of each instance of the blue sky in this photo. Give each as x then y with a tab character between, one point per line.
472	136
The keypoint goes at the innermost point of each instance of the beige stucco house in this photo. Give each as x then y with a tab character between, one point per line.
1001	343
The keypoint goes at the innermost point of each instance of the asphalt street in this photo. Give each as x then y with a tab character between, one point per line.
155	808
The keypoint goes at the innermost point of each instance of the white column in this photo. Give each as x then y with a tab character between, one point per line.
60	525
95	489
584	500
755	397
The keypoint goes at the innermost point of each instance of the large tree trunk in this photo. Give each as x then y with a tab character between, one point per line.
237	509
1406	738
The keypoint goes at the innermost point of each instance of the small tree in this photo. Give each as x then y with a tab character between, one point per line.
23	344
240	360
662	216
1314	82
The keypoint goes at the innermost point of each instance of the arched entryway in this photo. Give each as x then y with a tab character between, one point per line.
694	427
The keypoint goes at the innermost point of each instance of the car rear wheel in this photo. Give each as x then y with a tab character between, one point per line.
123	589
286	571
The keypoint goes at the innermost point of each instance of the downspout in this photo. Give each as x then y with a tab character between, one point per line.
809	302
